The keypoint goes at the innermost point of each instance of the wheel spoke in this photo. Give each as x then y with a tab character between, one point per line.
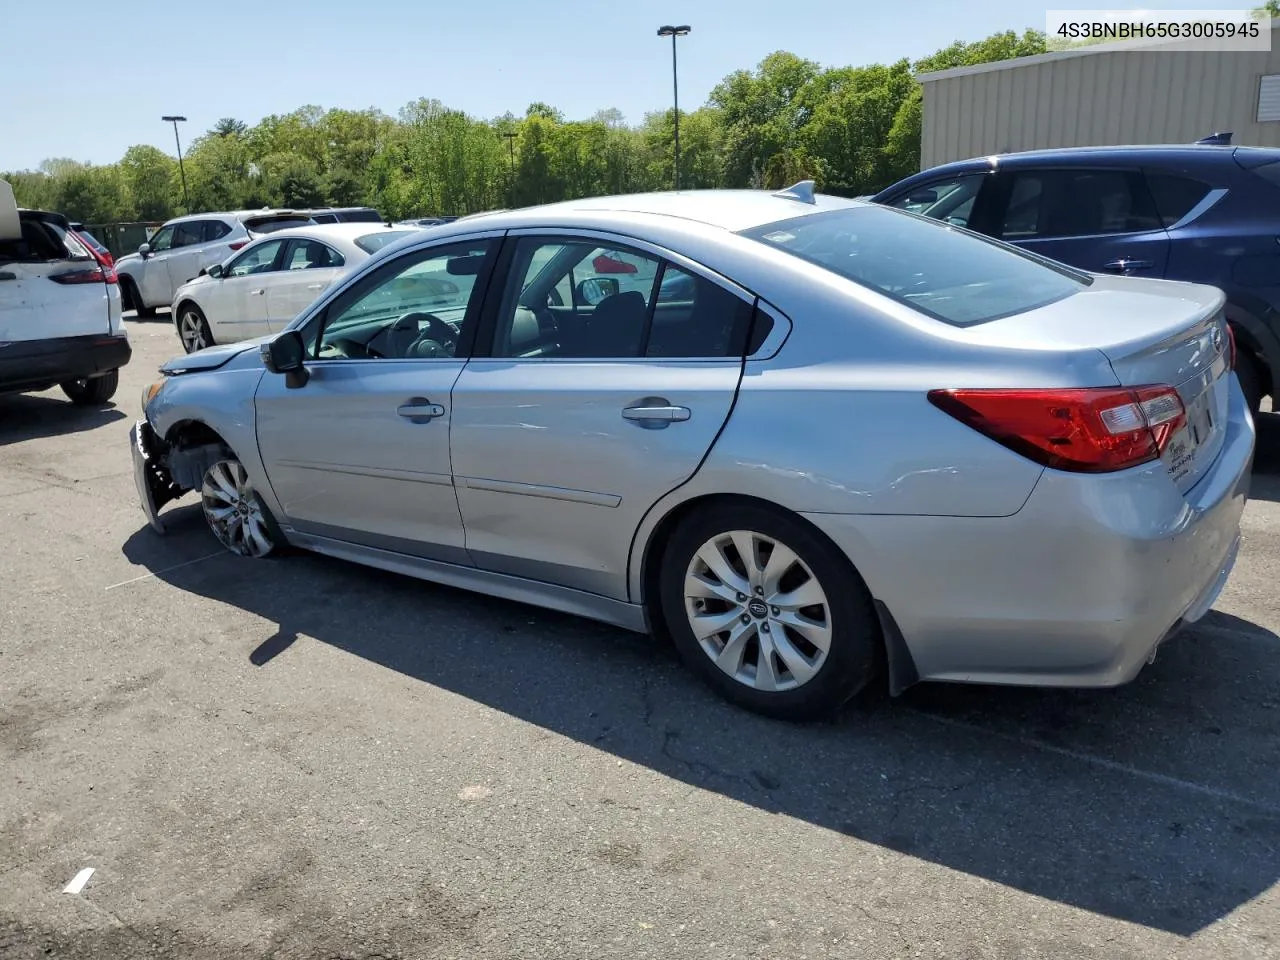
261	543
781	560
766	677
795	661
713	556
808	594
222	479
818	634
746	545
708	624
730	658
220	514
696	586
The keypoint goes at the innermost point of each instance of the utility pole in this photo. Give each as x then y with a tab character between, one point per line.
673	32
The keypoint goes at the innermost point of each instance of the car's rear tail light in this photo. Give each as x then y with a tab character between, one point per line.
237	244
1084	430
87	275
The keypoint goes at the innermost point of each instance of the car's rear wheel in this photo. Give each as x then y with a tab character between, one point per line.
132	299
235	513
92	391
768	612
193	328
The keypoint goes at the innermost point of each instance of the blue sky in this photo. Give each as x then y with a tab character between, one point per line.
121	67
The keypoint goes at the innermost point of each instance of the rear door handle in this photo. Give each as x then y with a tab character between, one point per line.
7	275
1126	266
420	410
314	286
655	412
257	293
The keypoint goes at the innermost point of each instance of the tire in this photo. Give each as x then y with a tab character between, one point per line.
193	328
133	299
236	515
811	683
1250	379
92	391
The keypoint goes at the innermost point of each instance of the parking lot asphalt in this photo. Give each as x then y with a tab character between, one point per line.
301	758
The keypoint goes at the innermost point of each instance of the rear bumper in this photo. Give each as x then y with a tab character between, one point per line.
39	364
1076	589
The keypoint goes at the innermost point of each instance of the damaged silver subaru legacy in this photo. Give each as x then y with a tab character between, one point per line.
813	438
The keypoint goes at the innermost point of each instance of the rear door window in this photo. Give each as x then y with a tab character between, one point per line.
1083	202
1175	196
215	230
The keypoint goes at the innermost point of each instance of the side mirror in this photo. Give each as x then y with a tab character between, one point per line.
923	197
144	251
285	353
594	289
214	271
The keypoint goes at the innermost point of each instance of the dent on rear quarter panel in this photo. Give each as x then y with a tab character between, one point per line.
816	440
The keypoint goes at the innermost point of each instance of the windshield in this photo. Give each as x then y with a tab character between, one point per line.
373	242
949	274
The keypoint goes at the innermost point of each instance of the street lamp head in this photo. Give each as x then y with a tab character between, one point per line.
174	119
670	31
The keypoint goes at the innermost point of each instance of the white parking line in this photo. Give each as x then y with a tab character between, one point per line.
1151	777
77	883
155	573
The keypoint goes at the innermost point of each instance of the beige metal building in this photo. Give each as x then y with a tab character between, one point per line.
1095	96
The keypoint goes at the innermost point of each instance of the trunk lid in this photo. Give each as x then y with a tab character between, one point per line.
1151	332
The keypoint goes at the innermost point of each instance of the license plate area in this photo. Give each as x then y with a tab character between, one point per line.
1180	455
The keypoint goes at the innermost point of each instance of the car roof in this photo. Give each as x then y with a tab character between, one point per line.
335	232
1182	153
728	209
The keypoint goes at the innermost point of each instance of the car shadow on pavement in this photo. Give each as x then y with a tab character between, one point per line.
31	416
1155	803
1266	458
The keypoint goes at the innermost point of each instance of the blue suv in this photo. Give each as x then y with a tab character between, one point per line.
1208	214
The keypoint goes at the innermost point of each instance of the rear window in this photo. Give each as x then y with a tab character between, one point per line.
41	242
272	224
944	272
373	242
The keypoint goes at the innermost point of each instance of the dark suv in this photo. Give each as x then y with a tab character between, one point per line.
1208	214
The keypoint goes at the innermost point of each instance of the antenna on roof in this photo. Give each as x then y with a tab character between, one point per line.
1217	140
802	191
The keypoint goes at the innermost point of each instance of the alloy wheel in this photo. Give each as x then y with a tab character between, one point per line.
191	331
757	610
232	510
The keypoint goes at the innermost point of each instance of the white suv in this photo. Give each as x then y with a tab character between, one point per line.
60	317
180	249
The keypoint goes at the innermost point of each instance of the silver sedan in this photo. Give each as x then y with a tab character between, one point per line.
813	439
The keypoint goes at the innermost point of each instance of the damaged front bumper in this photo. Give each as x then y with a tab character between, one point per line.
156	486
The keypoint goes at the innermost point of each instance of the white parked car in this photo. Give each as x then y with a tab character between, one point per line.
60	316
183	247
272	280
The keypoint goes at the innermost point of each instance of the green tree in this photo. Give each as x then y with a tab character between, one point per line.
149	180
229	127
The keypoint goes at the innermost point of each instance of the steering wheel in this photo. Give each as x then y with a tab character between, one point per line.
437	330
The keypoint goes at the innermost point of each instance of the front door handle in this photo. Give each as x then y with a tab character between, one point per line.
420	410
655	413
8	275
1127	266
314	286
256	293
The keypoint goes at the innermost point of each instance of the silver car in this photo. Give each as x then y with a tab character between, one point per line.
823	438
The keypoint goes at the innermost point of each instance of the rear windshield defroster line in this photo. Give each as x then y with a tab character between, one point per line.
944	272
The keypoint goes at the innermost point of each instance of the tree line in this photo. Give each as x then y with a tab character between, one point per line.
851	129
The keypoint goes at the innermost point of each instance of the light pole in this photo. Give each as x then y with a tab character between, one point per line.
186	200
673	32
